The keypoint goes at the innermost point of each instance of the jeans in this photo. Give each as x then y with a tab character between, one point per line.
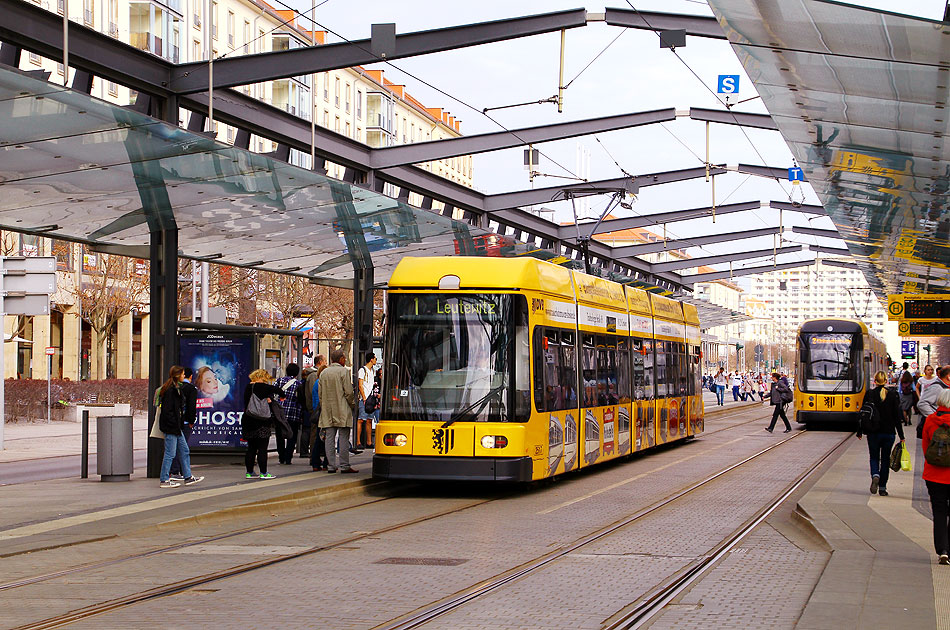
173	445
779	411
256	447
721	394
940	505
735	392
176	465
286	443
879	446
331	448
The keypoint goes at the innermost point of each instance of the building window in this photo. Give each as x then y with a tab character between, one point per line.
60	69
326	119
247	36
326	86
88	11
113	88
231	29
60	6
336	125
214	20
349	130
359	105
29	245
196	18
336	91
347	98
35	59
196	50
261	43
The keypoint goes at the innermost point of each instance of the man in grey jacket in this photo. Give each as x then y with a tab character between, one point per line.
928	400
337	398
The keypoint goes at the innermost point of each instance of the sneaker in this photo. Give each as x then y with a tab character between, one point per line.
348	470
355	451
268	476
169	484
190	481
251	476
943	559
875	482
882	492
176	477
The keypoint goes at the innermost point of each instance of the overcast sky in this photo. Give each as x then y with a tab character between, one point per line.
633	74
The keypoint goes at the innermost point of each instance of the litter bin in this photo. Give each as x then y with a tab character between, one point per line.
114	448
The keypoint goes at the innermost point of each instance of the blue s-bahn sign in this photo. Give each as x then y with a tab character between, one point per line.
728	84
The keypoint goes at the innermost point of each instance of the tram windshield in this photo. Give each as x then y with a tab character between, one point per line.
457	357
830	362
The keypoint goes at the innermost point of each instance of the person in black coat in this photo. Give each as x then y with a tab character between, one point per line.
780	390
190	394
256	428
171	419
880	442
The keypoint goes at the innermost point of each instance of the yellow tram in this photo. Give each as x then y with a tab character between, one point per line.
517	370
836	360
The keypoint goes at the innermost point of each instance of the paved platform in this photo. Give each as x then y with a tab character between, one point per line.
883	571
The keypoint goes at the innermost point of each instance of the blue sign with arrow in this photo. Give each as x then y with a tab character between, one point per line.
728	84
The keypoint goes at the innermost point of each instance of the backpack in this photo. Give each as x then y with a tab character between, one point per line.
938	451
869	418
787	395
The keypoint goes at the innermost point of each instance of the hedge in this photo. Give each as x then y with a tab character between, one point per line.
25	399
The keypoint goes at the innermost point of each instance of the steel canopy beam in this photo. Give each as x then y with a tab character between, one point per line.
553	193
764	171
745	271
834	251
729	117
689	263
613	225
841	263
243	70
481	143
698	25
695	241
804	208
799	229
35	29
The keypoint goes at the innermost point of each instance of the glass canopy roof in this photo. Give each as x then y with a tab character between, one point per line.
860	96
81	169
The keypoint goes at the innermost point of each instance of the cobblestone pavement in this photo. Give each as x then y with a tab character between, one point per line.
377	578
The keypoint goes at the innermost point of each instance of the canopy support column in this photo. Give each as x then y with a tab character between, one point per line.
163	326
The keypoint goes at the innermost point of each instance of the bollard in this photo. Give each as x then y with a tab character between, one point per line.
84	470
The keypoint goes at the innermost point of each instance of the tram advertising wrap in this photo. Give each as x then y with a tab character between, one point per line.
221	363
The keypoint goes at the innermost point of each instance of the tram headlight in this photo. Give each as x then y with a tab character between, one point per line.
494	441
395	439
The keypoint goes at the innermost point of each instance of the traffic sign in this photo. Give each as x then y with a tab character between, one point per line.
728	84
909	349
50	350
796	174
923	329
913	365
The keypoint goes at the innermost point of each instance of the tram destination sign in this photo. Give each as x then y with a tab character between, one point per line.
919	308
924	329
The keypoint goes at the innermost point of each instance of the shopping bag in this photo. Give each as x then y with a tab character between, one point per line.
905	458
896	453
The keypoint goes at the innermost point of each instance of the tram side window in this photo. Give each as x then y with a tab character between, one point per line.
694	371
623	370
555	372
649	369
606	370
589	370
678	387
567	378
662	368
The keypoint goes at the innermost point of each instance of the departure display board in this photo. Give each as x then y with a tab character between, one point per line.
924	329
919	307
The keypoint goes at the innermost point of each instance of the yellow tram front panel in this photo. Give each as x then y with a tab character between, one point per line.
602	322
696	412
669	329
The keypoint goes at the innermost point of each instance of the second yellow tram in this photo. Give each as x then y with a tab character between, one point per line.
517	370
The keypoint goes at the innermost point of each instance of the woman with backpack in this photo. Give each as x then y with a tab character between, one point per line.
936	445
908	396
880	429
257	420
779	396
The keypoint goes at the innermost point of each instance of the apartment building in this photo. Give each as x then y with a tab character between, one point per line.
359	103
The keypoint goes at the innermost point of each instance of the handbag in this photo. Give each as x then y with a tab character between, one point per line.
905	458
280	420
896	453
371	403
156	431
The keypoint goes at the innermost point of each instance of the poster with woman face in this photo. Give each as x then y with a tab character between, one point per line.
220	363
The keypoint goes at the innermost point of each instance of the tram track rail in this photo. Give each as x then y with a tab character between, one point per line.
646	609
200	580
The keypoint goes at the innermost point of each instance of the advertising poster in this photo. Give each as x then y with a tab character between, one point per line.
221	363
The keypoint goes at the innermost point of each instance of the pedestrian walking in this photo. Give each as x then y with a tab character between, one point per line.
928	399
928	378
748	389
937	472
762	388
336	411
880	431
779	396
190	394
170	421
720	381
256	422
290	403
736	384
907	397
366	378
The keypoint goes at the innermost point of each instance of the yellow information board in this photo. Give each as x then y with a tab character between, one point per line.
919	307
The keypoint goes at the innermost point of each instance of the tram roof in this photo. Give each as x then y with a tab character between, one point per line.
860	97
